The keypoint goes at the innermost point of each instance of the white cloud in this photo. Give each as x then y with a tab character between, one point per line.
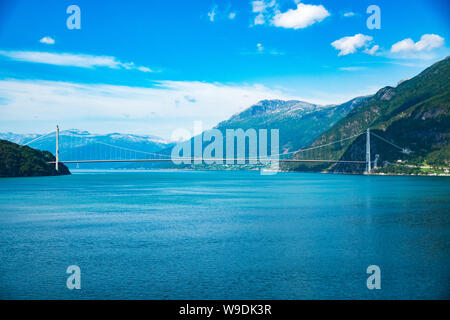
349	14
159	109
404	45
372	51
352	68
259	6
302	17
224	13
349	45
427	42
144	69
259	19
72	60
212	14
260	49
264	10
47	40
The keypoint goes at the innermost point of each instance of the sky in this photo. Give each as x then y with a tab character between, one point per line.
154	67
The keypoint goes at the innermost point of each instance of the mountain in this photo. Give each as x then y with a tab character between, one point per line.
299	123
23	161
83	145
415	116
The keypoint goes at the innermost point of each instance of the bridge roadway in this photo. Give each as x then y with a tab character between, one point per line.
200	159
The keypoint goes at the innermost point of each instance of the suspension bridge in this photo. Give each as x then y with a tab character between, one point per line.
111	153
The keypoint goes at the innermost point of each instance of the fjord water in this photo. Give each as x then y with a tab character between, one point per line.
224	235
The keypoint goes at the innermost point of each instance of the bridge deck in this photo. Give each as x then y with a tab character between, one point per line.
197	160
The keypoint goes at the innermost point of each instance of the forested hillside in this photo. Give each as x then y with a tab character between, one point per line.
23	161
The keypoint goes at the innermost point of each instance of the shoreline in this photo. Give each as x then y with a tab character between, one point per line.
406	174
78	171
281	171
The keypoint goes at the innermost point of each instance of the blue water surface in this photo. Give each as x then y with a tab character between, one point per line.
224	235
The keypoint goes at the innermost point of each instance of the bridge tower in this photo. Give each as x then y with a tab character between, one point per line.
368	164
57	149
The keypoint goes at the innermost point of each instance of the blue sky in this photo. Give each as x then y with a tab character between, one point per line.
157	66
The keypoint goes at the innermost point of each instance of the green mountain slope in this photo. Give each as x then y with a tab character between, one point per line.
23	161
415	115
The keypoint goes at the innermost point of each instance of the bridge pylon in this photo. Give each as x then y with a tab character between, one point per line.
57	149
368	164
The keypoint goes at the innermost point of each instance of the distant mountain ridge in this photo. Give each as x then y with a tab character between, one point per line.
24	138
267	107
76	144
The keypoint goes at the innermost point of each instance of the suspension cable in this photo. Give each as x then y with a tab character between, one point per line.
323	145
40	137
128	149
387	141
